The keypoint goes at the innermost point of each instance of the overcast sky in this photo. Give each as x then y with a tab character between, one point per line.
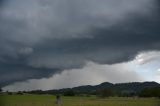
52	44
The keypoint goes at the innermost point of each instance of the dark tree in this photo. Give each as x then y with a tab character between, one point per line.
69	93
150	92
20	93
106	93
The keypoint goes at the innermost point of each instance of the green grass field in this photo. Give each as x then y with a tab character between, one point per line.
49	100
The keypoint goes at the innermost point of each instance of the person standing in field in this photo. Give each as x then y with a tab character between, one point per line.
58	99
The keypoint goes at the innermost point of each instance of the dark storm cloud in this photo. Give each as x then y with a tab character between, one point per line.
39	38
1	2
107	46
16	70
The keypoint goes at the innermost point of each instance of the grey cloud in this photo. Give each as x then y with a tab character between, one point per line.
26	51
108	46
40	38
16	70
90	74
65	19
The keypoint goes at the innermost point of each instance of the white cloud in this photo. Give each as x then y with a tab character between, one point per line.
147	57
156	78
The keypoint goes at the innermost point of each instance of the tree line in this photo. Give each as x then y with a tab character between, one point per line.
107	92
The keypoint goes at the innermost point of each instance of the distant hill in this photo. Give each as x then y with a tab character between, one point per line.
120	87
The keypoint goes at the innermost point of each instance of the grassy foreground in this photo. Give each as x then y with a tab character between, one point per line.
49	100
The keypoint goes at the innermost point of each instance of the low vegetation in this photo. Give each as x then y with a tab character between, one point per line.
49	100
